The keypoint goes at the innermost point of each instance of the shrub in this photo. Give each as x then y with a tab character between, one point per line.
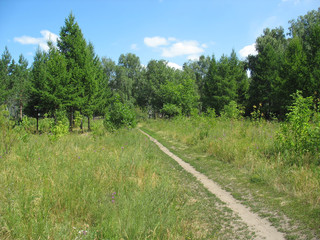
256	114
45	124
77	119
119	115
231	111
170	110
60	126
300	134
61	115
58	130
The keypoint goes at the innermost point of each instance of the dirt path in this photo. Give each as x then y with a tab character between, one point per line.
261	227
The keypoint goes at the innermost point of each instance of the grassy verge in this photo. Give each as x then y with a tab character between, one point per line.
97	186
240	156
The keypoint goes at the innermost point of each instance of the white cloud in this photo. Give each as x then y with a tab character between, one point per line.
174	65
182	48
248	50
42	42
172	47
155	41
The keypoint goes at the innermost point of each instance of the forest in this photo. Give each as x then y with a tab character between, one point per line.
70	77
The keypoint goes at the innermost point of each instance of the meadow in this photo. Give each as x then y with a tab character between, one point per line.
101	185
243	156
119	185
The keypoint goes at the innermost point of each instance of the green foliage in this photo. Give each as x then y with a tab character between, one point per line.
45	124
211	112
25	127
225	81
170	110
8	137
97	129
119	115
232	111
266	83
178	97
60	126
58	130
257	114
77	119
300	135
5	76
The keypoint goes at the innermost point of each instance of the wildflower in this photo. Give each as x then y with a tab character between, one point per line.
113	197
78	157
84	232
122	148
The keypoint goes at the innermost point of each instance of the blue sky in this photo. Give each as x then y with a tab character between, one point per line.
174	30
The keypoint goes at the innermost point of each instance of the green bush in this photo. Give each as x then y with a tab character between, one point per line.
61	115
45	124
257	114
77	119
170	110
58	130
60	127
231	111
119	115
300	134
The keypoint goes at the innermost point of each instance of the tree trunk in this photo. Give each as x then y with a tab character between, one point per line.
20	109
37	123
81	125
89	128
71	119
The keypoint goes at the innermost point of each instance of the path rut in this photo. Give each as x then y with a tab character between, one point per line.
261	227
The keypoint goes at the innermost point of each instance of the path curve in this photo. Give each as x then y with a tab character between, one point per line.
261	227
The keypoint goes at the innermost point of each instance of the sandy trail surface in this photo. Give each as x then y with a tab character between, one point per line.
261	227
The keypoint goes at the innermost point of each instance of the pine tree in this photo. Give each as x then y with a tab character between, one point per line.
74	48
238	73
38	78
20	79
265	71
5	72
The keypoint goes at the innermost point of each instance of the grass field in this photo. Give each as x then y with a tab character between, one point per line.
241	155
111	186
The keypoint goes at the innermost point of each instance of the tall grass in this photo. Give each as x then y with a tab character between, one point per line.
247	145
83	187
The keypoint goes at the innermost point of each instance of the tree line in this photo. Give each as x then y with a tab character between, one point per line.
70	77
